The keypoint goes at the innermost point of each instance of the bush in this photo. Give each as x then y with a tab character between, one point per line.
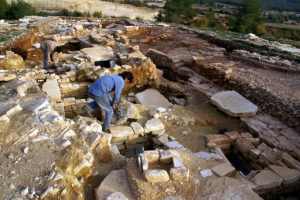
18	9
177	11
3	8
97	14
77	14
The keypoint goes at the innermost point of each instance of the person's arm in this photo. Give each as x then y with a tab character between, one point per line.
118	92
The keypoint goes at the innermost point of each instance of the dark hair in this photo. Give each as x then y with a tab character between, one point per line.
127	75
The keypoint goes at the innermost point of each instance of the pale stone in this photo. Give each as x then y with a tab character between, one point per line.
137	128
154	126
105	148
98	53
52	89
177	162
166	156
174	145
208	156
179	174
206	173
224	169
115	181
225	188
234	104
152	98
152	156
266	180
116	196
121	133
288	175
156	175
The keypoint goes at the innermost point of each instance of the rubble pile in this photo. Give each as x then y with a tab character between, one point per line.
172	139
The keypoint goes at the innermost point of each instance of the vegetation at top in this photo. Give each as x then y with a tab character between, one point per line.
15	10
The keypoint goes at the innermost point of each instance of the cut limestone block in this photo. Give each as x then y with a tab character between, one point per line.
156	175
155	126
234	104
99	53
52	89
266	180
152	98
224	169
115	181
180	173
121	133
152	156
288	175
137	128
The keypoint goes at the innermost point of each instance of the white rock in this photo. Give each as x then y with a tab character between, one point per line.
206	173
154	126
52	89
156	175
116	196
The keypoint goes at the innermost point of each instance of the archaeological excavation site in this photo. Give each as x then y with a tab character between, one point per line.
206	116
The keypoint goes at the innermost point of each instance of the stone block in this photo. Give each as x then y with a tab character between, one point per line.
224	169
121	133
99	53
52	90
174	145
137	128
152	98
288	175
152	156
156	175
166	156
266	180
234	104
116	196
104	148
179	174
177	162
154	126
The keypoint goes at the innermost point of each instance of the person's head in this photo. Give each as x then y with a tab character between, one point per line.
127	76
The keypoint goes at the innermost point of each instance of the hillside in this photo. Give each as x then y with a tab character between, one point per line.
291	5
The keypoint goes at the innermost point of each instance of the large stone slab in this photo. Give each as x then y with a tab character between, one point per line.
156	175
234	104
266	180
224	169
121	133
152	98
288	175
98	53
116	181
52	89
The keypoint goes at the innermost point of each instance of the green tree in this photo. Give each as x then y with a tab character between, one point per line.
18	9
3	8
249	18
177	11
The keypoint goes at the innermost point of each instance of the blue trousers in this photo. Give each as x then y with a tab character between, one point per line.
105	103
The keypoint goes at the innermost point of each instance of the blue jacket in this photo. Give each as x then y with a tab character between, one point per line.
107	84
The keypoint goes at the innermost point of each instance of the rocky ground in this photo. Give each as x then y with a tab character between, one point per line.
181	134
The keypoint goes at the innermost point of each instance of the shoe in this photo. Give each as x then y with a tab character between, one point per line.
106	130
